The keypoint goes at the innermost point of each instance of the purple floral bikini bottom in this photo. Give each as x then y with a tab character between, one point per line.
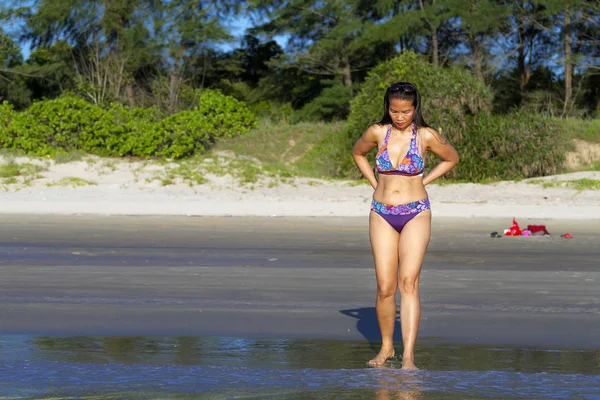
398	216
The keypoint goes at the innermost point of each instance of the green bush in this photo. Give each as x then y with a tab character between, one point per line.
7	114
592	133
64	123
69	123
272	110
180	135
448	95
513	146
458	106
132	130
331	104
226	115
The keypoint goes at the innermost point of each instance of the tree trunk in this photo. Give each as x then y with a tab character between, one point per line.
568	66
129	93
434	43
524	73
435	47
397	12
175	82
346	71
434	38
476	58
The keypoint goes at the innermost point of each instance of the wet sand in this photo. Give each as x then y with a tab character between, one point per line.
304	278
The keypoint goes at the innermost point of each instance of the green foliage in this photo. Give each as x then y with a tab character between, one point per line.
69	124
179	135
514	146
331	104
287	149
272	110
577	184
12	82
226	115
588	130
448	96
457	105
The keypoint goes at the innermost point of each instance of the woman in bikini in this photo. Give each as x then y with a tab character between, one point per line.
400	217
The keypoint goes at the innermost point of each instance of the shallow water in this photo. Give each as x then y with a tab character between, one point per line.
147	367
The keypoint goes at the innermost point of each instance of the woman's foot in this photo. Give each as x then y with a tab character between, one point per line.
409	365
382	357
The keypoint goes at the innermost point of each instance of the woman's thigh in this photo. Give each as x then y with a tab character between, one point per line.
384	243
413	244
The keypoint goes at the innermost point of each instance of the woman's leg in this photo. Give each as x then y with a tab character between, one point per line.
384	243
412	245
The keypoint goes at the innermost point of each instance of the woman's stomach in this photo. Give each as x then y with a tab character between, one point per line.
398	189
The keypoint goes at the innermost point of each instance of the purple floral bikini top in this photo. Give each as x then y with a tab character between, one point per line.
412	164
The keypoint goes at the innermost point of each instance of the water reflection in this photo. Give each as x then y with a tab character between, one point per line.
283	353
285	369
405	386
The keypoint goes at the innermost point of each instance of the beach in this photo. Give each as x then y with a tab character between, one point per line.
120	187
290	277
165	306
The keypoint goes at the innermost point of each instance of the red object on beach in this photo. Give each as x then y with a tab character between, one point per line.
538	228
514	230
567	236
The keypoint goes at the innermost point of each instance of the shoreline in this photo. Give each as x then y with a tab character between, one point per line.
100	187
298	208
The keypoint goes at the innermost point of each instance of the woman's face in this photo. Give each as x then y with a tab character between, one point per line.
402	112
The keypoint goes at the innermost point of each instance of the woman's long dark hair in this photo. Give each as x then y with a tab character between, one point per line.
403	91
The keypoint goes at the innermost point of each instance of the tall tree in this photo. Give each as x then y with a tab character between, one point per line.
12	77
479	33
187	29
325	37
528	40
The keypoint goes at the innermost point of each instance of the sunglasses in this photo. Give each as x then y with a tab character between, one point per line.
406	87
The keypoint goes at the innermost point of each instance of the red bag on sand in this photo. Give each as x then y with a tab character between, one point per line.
538	228
514	230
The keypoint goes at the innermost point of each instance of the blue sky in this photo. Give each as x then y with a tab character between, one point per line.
237	28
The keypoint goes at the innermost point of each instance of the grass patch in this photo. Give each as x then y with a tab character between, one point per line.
187	172
12	172
281	148
577	184
62	157
584	184
584	129
449	181
72	181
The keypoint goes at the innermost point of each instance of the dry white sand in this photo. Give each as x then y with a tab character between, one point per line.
110	187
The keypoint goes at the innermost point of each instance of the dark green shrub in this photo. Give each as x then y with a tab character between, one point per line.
331	104
513	146
449	95
457	105
7	114
272	110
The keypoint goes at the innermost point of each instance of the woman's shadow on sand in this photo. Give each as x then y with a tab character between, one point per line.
368	326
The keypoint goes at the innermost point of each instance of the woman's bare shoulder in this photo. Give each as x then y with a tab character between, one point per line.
376	130
428	135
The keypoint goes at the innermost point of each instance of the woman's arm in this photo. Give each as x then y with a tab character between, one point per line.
436	144
363	145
